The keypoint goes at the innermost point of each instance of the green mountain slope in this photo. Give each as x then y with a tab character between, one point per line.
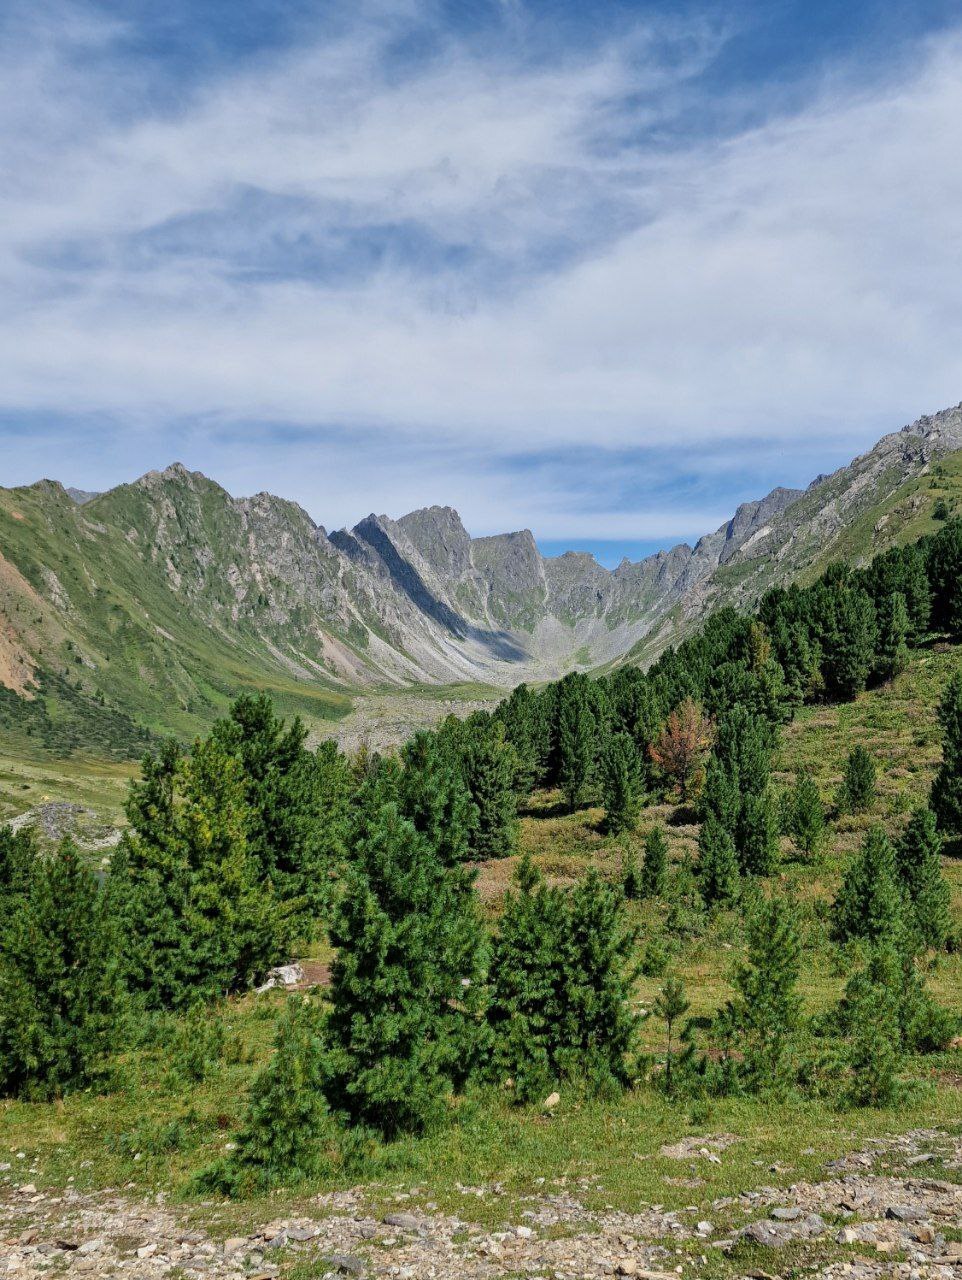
100	643
145	609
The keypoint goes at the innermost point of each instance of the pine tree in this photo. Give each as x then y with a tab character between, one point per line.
764	1016
621	784
858	786
946	798
560	984
436	799
489	766
718	879
873	1052
18	852
945	575
630	873
849	642
237	927
892	650
720	796
806	814
919	869
599	982
61	998
198	919
902	569
736	790
681	746
870	902
524	729
654	869
280	1142
530	964
577	736
758	834
296	805
404	1024
671	1003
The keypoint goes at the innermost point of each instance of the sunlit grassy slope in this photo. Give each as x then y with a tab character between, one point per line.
151	1129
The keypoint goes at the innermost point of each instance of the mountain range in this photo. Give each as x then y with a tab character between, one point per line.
156	601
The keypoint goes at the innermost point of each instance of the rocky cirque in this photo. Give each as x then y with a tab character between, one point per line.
879	1211
170	580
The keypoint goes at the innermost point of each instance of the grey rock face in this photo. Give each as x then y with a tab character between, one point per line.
419	600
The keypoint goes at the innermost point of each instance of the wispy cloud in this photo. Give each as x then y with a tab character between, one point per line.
467	253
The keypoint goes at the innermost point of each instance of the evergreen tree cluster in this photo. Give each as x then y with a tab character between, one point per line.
239	846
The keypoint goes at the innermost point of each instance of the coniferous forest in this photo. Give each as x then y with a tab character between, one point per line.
443	1006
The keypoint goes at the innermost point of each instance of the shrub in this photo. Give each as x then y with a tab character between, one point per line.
281	1141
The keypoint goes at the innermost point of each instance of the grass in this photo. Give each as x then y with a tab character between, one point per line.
28	777
151	1131
121	639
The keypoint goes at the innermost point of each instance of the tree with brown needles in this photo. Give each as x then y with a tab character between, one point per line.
682	745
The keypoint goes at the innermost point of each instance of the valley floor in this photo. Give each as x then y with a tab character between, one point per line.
97	1185
882	1205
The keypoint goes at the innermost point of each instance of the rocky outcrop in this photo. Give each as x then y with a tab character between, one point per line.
415	599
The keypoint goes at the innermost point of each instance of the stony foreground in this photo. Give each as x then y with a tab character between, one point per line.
876	1213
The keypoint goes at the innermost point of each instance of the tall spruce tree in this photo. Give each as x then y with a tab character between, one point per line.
404	1026
718	878
858	784
763	1018
531	961
654	868
436	799
577	735
919	869
60	992
946	798
892	650
806	814
870	903
621	784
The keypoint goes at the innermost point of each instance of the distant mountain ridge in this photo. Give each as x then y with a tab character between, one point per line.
165	595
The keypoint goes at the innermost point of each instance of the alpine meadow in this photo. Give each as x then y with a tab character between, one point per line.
394	900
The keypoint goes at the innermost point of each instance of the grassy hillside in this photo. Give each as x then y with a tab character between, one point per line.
121	653
887	510
151	1131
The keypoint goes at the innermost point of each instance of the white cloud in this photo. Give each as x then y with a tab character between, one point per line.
800	278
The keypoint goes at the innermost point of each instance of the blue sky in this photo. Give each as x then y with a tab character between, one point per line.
604	270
